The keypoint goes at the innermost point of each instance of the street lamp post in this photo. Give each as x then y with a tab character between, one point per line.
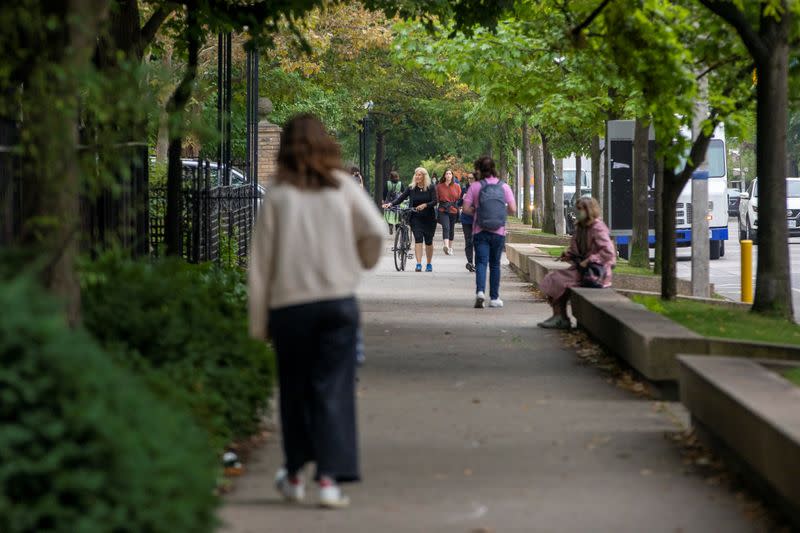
363	144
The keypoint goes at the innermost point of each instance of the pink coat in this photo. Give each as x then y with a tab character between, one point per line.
598	248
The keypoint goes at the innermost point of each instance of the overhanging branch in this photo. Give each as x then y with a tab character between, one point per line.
731	14
593	15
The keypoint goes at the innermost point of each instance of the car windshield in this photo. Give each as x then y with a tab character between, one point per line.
793	188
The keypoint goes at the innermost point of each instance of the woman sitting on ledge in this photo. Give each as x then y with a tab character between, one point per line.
592	255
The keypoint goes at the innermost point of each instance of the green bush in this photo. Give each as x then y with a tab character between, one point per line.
184	327
84	446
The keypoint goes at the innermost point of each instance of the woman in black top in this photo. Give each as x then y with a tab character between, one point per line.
423	223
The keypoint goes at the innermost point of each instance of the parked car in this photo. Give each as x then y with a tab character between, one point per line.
748	210
238	177
734	198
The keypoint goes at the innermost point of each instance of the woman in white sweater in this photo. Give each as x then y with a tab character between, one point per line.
316	231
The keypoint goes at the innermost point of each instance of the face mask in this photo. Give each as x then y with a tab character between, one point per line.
580	215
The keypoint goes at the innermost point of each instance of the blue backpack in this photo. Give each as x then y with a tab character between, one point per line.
492	210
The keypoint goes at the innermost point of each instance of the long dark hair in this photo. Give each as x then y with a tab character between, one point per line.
443	179
308	155
484	167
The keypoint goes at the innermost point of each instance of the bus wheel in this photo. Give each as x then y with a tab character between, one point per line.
715	250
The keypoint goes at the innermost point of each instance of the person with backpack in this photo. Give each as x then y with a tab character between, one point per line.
592	255
316	231
489	200
466	224
449	193
392	190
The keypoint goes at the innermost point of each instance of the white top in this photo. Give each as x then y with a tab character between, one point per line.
310	246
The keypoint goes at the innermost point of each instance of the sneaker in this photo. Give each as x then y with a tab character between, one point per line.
470	267
497	302
418	268
480	297
450	252
429	268
331	497
291	491
446	250
555	322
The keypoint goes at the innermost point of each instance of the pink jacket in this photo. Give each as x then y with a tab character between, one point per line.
598	246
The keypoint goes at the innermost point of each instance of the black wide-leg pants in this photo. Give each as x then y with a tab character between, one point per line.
316	349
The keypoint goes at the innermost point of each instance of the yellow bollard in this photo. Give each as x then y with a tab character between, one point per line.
747	271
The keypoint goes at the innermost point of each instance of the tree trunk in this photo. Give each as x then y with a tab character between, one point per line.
49	167
538	186
659	207
673	185
558	198
669	268
773	294
578	174
526	173
502	164
380	156
596	183
176	107
548	211
640	252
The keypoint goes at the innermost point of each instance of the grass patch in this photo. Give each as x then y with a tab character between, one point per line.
715	321
793	375
624	268
622	265
536	231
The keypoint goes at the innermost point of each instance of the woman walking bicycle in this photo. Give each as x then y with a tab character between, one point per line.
315	233
449	193
592	255
422	195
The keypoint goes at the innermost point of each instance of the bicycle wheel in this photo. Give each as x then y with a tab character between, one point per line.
406	245
399	253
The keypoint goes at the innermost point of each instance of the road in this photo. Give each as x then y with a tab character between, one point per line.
725	272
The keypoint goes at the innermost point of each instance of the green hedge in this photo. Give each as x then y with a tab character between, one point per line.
184	327
84	446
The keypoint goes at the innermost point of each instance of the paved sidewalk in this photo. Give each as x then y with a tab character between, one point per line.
477	421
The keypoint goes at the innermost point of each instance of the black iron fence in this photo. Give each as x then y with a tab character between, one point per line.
216	221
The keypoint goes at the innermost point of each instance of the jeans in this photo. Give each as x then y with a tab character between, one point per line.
488	251
468	247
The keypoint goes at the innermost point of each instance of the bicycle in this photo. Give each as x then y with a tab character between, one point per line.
402	237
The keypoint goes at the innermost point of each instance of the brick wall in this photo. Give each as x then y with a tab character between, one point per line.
269	138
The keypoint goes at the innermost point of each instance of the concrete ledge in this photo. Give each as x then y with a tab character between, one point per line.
729	304
647	341
520	255
751	414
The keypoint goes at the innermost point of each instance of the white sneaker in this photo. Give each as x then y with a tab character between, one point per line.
480	297
496	303
331	497
451	251
291	492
